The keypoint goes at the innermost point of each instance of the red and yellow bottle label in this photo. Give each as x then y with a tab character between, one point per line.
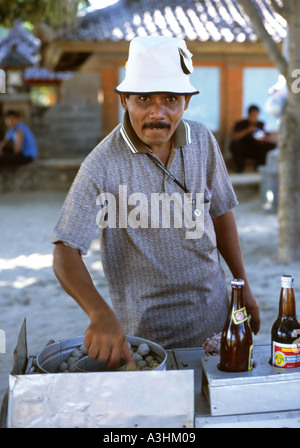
239	316
285	355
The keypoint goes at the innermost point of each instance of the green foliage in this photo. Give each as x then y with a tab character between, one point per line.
54	12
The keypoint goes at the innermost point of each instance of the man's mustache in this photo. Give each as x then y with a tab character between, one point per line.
156	125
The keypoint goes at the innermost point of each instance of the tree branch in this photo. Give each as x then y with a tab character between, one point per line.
266	40
283	10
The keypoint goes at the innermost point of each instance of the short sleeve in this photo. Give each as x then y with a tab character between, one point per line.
241	125
221	193
76	224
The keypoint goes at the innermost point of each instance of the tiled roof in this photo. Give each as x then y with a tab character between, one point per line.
13	58
19	47
203	20
40	73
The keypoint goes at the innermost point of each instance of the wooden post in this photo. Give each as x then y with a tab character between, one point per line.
234	95
109	77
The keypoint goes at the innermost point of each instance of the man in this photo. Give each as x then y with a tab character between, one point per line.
166	283
250	141
19	145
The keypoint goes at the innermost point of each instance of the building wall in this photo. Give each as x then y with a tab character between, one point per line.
66	131
71	129
82	89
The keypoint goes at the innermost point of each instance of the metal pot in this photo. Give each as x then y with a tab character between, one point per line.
49	359
87	364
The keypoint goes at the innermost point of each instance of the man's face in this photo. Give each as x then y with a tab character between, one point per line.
155	118
253	116
11	121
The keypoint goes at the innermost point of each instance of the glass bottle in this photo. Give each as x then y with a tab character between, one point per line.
236	340
285	348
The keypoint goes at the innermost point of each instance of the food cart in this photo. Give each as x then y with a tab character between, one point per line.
189	392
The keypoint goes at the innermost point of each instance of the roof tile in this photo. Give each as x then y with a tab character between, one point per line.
215	20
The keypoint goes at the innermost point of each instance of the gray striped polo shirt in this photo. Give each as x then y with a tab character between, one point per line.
164	275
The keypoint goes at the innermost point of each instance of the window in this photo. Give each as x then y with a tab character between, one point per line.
205	107
257	82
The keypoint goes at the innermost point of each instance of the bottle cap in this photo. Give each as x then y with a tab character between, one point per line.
237	282
287	281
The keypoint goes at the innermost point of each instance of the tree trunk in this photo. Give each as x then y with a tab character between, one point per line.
289	153
289	183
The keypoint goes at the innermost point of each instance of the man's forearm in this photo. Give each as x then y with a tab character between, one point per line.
104	338
238	135
19	142
75	279
228	243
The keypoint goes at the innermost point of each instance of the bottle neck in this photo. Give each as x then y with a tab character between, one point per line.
287	306
237	297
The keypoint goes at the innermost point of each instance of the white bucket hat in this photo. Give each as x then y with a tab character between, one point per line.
158	64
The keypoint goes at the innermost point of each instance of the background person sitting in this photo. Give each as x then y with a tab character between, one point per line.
19	145
250	141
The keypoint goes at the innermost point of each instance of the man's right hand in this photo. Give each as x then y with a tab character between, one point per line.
106	340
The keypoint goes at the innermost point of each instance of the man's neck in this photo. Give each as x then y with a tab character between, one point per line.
163	152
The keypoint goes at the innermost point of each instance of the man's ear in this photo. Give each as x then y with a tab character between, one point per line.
187	101
123	100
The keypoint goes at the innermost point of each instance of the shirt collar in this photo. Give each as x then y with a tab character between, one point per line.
136	145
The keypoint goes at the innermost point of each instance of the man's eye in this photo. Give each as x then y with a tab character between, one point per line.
171	99
143	98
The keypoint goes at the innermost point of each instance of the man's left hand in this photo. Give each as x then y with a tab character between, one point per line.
252	308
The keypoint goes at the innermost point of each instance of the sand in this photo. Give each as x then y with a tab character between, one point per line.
29	289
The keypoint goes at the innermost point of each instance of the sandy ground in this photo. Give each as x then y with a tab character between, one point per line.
29	289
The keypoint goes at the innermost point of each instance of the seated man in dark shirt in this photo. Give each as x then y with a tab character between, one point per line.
250	141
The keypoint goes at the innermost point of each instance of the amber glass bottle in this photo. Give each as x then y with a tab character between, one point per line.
236	339
285	346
